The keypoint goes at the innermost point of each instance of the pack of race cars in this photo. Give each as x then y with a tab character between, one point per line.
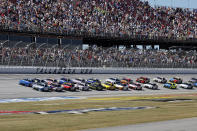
79	84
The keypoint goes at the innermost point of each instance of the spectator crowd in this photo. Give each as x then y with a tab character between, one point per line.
98	17
97	57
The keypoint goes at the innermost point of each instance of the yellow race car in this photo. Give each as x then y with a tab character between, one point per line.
170	85
108	86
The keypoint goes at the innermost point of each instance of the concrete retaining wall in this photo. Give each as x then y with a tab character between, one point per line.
52	70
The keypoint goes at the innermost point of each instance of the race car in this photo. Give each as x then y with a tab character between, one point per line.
143	80
63	80
160	80
152	86
42	87
126	81
170	85
176	80
121	86
26	82
92	80
95	86
194	84
69	87
186	86
82	86
49	81
56	87
108	86
193	80
78	80
112	80
135	86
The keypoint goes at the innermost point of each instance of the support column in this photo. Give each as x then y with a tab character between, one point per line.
153	46
144	47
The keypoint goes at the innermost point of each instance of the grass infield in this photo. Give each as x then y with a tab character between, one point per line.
63	121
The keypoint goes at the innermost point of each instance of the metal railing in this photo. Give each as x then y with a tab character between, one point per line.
87	34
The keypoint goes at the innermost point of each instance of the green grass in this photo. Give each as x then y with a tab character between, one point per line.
63	121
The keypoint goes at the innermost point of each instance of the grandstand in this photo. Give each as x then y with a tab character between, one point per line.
51	33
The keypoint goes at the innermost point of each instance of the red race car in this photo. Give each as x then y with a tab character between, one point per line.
143	80
69	87
126	81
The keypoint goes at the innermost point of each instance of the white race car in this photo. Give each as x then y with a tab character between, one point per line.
186	86
193	80
135	86
160	80
151	86
41	87
78	80
112	80
121	86
82	86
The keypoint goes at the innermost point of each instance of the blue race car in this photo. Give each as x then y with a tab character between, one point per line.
90	81
65	80
194	84
26	82
170	85
176	80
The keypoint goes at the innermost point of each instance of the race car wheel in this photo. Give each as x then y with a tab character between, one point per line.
125	89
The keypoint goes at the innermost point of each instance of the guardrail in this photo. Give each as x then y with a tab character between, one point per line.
53	70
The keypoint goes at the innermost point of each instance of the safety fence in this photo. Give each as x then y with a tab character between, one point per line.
53	70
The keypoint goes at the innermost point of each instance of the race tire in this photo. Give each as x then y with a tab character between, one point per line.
125	88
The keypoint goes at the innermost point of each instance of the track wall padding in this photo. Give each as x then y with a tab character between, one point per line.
53	70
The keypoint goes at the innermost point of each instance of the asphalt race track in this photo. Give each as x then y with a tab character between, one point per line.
172	125
9	87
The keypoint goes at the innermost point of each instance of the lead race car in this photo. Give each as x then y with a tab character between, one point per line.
26	82
152	86
186	86
160	80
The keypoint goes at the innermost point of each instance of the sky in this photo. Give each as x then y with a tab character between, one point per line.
175	3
